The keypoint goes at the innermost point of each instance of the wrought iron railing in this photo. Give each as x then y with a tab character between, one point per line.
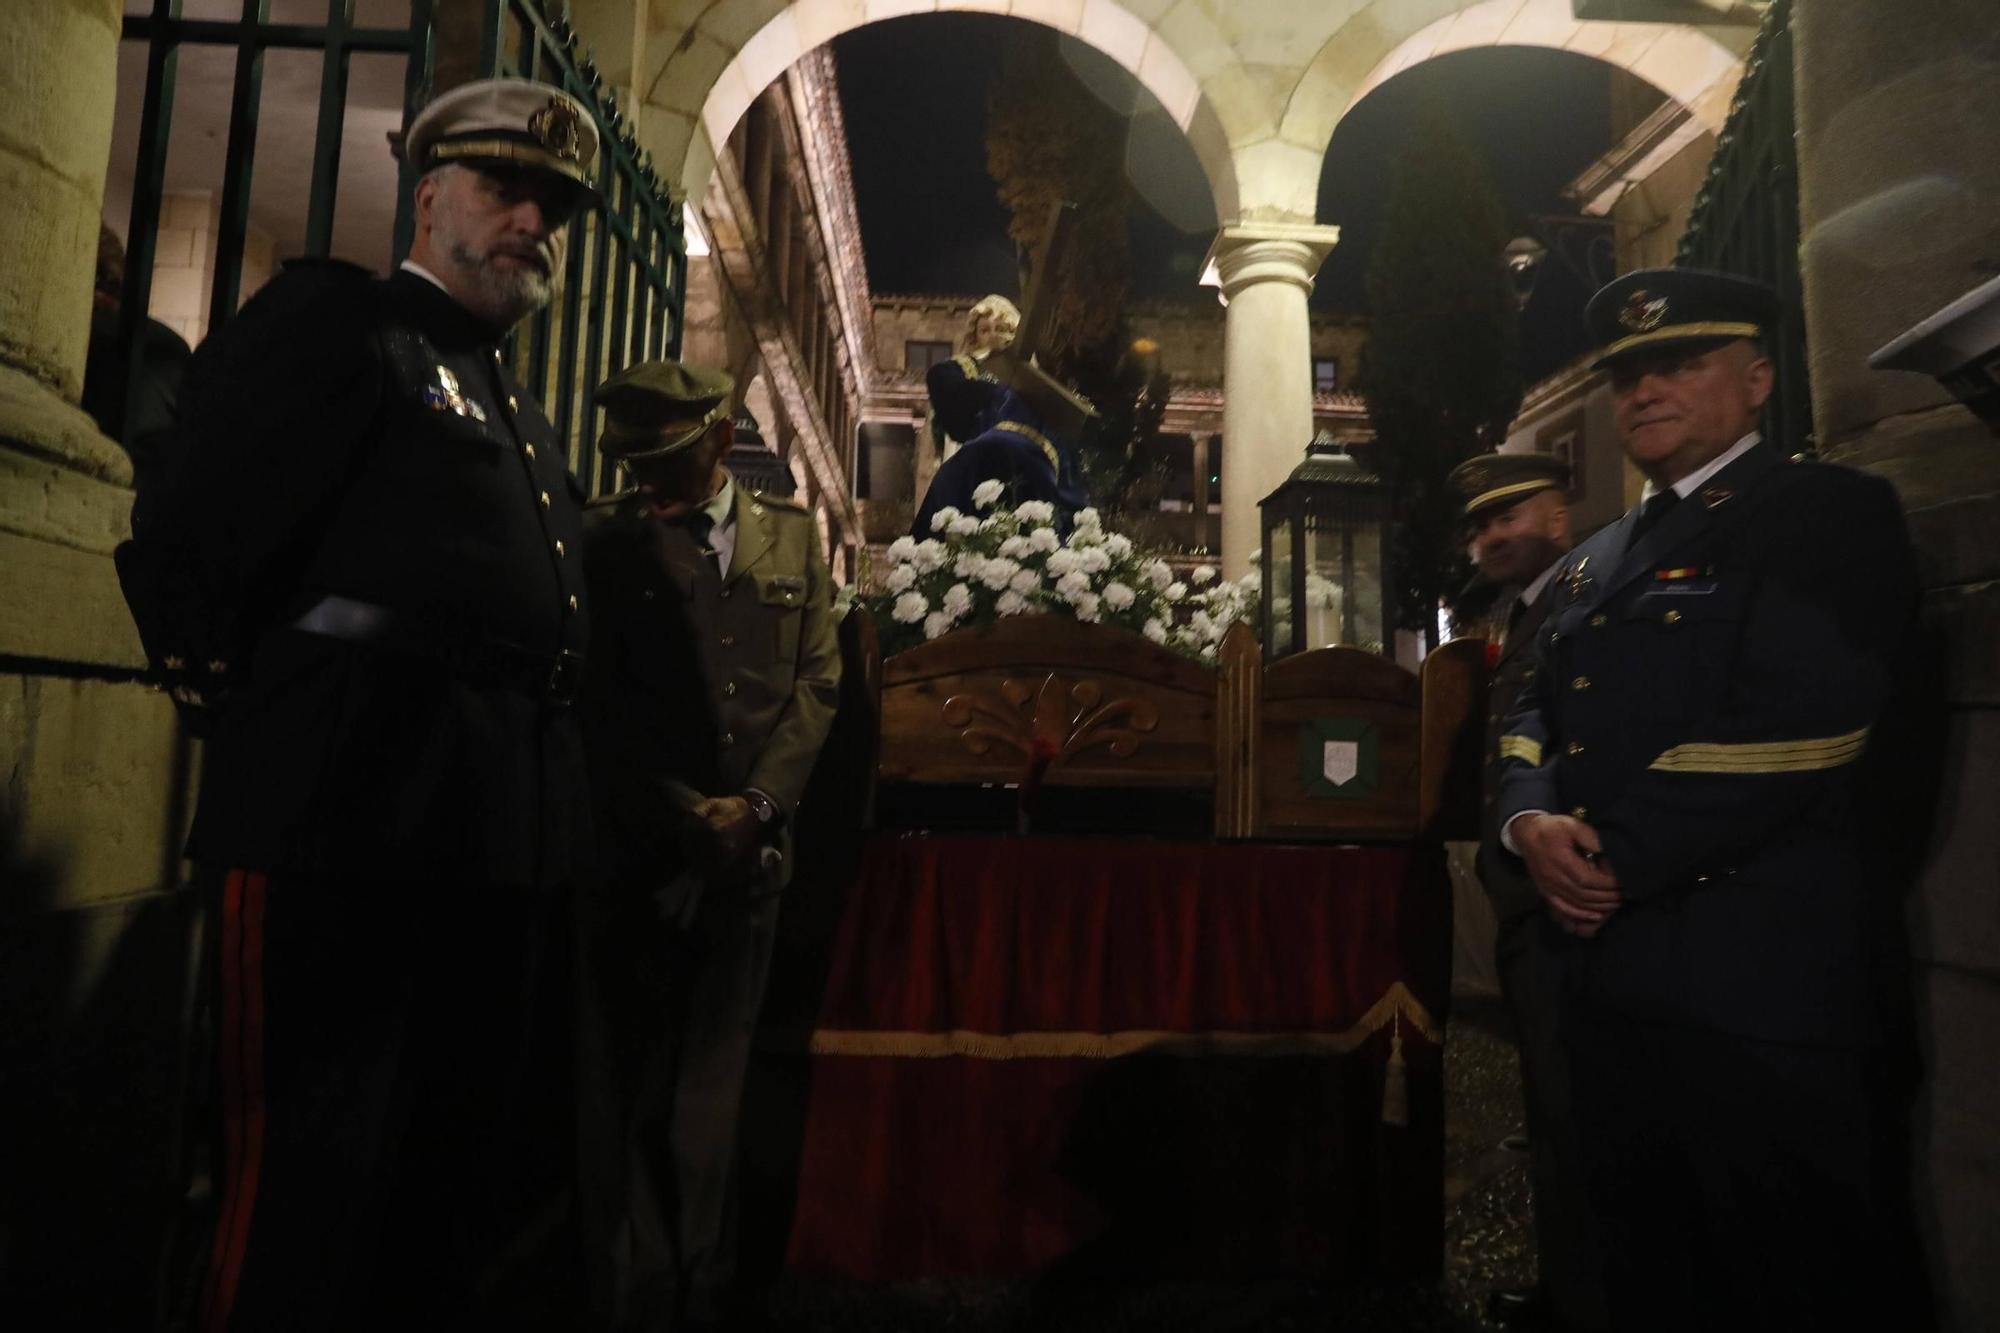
623	291
1746	217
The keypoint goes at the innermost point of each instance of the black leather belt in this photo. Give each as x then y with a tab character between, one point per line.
553	679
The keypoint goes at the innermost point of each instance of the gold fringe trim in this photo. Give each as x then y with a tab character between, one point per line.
1028	432
1396	1005
1525	748
1764	756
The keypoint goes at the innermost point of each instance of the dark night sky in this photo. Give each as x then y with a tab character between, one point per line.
914	94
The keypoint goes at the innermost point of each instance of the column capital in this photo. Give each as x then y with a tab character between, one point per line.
1245	253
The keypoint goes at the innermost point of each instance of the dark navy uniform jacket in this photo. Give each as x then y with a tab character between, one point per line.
1702	699
1018	452
358	438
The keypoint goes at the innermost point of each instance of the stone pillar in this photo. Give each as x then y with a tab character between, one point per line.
88	759
1898	112
1266	271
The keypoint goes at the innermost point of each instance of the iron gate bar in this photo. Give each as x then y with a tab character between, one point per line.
332	119
593	347
1746	216
149	188
232	225
416	81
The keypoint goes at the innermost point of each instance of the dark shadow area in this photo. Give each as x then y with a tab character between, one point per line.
93	1003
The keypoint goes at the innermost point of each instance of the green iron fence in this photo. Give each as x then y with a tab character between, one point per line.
1746	217
623	290
626	282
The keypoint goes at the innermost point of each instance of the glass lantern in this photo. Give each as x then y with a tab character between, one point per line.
1326	557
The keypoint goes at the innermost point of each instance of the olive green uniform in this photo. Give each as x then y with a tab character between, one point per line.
704	682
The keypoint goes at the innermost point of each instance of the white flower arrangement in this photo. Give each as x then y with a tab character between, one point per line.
1007	563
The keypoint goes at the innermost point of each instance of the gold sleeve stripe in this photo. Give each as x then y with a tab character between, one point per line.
1027	432
1764	756
1525	748
1397	1005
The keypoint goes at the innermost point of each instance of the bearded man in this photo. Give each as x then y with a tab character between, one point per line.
360	577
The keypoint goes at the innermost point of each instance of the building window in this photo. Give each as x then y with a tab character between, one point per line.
1326	375
923	355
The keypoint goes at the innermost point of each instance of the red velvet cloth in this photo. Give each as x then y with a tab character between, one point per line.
1224	1160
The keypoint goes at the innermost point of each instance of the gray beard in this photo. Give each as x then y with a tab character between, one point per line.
503	296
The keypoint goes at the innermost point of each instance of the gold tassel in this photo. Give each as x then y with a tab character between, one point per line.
1396	1083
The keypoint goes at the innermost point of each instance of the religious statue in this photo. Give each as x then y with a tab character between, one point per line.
964	396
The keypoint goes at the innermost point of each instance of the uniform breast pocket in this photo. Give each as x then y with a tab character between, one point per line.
1690	631
783	599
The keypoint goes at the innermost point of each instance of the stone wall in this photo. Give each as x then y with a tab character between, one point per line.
94	957
1898	112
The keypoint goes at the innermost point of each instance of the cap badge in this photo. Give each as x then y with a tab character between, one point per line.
555	127
1643	312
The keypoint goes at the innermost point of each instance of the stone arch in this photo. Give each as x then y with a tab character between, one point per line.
757	400
1698	67
716	57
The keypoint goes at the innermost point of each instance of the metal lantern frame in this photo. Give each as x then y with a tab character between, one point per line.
1328	492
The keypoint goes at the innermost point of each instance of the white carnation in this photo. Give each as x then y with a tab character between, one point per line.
1086	606
957	601
936	623
1204	574
1202	624
968	564
1035	511
1175	591
1118	545
1043	540
1094	560
964	525
944	518
902	549
929	556
1015	547
902	578
1011	603
1065	561
1025	581
1089	518
1156	629
998	572
1159	573
1073	585
985	493
1208	652
910	608
1118	596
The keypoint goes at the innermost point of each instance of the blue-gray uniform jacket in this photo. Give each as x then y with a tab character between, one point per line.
1017	451
353	457
1702	700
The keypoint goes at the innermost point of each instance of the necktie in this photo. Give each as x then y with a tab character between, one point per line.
1651	512
1515	615
700	526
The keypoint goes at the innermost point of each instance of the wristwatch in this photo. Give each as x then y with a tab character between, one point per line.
762	806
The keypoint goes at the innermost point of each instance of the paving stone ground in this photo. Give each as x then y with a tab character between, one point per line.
1487	1246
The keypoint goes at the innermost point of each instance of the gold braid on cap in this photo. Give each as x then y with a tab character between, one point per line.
616	435
1515	488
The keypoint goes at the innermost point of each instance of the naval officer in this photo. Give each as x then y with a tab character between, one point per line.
360	576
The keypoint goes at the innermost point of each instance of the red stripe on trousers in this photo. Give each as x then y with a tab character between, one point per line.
242	1061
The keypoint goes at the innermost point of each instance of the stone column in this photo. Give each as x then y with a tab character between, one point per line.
88	758
1266	271
1898	113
